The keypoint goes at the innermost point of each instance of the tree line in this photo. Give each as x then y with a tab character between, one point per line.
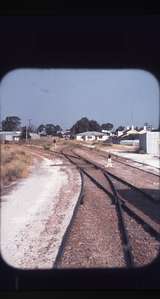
13	123
84	125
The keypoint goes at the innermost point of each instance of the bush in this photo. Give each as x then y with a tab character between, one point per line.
46	146
14	163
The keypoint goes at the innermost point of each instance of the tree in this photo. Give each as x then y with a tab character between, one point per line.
84	125
107	126
58	128
120	128
11	123
80	126
41	128
94	126
50	129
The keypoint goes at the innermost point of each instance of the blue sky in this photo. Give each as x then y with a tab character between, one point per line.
122	97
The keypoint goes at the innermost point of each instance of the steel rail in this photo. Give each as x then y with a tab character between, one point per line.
68	230
91	178
120	204
117	160
115	177
141	164
122	228
147	227
132	211
120	179
122	162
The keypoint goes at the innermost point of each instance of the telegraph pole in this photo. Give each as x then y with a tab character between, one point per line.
132	117
26	133
29	122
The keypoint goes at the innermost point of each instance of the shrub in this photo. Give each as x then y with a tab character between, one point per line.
46	146
14	163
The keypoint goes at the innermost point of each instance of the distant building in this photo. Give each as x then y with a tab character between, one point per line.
129	136
107	132
9	136
144	130
91	136
66	134
120	133
34	136
42	133
132	136
149	142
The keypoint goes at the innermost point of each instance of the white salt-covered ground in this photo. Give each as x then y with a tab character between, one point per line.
35	215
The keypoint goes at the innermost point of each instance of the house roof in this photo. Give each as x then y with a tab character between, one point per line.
142	131
132	132
11	133
129	132
91	133
33	134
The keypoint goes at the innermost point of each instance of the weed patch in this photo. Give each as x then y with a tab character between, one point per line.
15	163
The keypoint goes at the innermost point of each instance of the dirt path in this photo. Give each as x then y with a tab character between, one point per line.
36	213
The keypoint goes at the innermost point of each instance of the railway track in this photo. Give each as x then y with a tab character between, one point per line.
121	206
116	184
150	179
84	169
126	211
120	160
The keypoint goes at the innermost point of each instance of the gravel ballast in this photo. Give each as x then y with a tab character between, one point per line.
84	250
94	239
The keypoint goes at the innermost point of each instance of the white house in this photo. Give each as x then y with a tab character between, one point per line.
34	136
144	130
107	132
129	136
66	134
92	136
120	133
9	136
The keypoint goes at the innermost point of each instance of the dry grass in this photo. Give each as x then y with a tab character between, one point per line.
15	162
42	141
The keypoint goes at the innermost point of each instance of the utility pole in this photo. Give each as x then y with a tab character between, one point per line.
132	117
26	133
29	121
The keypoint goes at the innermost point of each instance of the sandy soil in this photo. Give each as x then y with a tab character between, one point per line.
36	213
